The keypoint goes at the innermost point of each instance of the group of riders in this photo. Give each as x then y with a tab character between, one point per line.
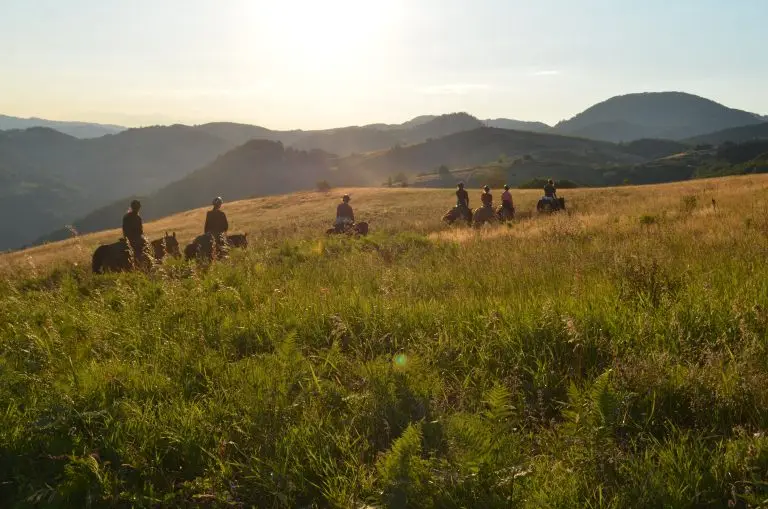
217	225
549	201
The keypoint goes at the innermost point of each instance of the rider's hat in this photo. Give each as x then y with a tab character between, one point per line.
345	198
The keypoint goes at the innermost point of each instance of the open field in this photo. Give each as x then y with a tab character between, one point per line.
616	356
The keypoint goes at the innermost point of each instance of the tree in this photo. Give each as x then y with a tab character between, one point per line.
401	178
323	186
444	171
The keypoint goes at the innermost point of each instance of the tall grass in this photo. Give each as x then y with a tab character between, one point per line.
596	359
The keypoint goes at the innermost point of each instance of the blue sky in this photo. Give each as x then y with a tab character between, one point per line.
312	64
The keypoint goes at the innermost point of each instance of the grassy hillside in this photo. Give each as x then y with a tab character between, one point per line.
611	357
260	168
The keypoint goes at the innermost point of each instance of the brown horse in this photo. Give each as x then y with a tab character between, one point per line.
504	214
548	205
167	246
360	228
211	247
483	215
457	213
120	257
238	240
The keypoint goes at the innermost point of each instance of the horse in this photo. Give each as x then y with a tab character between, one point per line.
456	213
120	256
356	229
166	246
238	240
505	214
214	247
483	215
548	205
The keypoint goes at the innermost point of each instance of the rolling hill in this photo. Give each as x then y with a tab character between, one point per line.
671	115
479	146
76	129
351	140
734	135
517	125
85	174
613	356
260	168
257	168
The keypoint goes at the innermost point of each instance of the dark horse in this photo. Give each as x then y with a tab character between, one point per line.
505	214
167	246
360	228
212	247
457	213
120	256
548	205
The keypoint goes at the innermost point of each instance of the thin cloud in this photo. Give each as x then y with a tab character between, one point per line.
454	89
552	72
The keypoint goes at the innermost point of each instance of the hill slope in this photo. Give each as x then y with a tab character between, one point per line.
262	167
673	115
611	357
477	147
349	140
734	135
76	129
517	125
96	172
257	168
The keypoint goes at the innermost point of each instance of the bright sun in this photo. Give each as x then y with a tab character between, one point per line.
317	32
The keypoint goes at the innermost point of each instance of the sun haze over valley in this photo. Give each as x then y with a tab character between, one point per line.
395	254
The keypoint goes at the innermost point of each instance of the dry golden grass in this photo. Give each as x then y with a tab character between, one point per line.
611	356
305	215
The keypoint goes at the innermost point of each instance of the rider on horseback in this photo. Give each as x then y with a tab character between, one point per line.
462	196
216	223
344	214
216	220
486	198
549	190
506	198
133	229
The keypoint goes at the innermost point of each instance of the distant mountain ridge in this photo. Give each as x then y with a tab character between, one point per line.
734	135
262	167
518	125
670	115
57	178
76	129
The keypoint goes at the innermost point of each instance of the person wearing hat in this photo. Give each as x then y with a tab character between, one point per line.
216	220
344	213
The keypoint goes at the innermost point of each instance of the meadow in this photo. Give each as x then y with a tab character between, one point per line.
614	356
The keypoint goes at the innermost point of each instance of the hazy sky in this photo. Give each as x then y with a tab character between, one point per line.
326	63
